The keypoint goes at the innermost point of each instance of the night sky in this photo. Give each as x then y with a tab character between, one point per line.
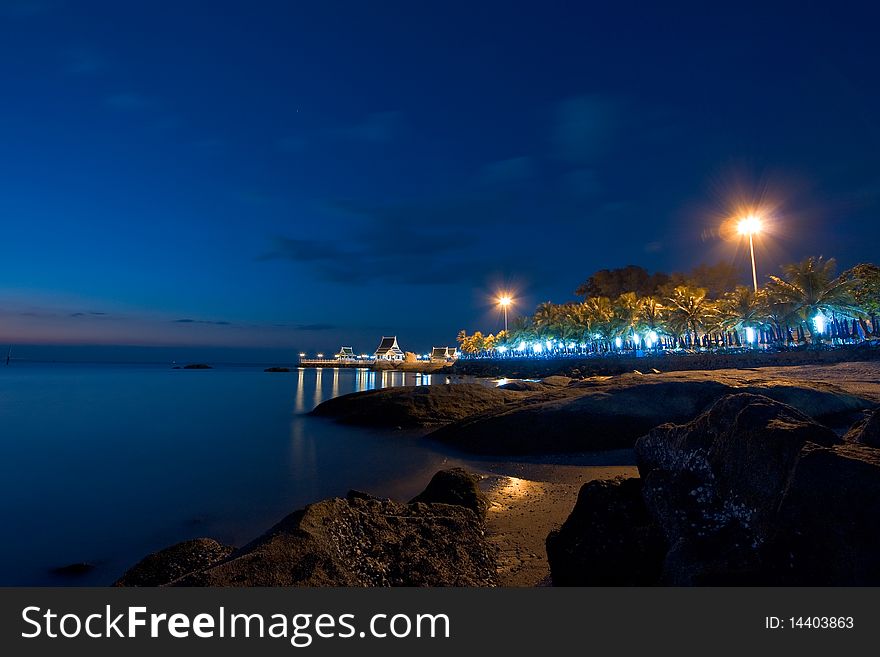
277	177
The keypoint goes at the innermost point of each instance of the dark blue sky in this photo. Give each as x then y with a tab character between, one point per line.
289	176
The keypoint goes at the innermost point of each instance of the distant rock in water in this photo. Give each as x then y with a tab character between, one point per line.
611	413
277	369
415	406
751	492
197	366
173	562
359	541
73	570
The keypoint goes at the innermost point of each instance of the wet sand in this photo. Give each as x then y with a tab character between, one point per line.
524	509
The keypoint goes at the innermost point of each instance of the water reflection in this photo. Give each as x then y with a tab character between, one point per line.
335	382
300	399
318	383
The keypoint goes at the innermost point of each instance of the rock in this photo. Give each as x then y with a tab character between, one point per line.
829	520
357	541
455	486
713	486
73	569
611	413
174	562
556	381
197	366
608	540
415	406
523	386
751	492
277	369
866	431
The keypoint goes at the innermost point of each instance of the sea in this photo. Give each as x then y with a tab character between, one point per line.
103	464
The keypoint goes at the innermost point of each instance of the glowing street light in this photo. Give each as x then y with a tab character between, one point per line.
504	301
750	226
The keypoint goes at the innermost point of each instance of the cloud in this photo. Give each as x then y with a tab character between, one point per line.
131	102
187	320
513	169
90	313
378	127
411	243
583	128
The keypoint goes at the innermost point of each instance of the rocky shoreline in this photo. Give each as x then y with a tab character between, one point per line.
751	492
744	477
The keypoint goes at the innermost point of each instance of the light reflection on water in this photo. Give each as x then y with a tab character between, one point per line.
107	463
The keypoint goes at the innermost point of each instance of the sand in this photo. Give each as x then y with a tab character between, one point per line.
526	505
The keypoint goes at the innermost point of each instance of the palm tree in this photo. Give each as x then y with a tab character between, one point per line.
738	310
812	290
627	315
601	313
690	310
651	315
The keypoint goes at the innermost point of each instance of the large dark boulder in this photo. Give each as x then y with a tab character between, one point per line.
713	486
829	520
751	492
455	486
167	565
365	541
866	431
415	406
608	540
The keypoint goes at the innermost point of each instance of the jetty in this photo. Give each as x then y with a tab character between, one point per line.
387	356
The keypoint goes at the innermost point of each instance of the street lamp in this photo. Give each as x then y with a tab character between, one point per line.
750	226
504	301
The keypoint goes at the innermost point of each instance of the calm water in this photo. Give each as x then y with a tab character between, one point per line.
107	463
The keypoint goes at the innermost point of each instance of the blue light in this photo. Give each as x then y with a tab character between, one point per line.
502	349
522	345
537	348
750	334
819	322
618	343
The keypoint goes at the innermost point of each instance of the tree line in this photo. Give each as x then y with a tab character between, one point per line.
628	308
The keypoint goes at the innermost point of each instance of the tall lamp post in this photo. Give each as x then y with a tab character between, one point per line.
750	226
504	301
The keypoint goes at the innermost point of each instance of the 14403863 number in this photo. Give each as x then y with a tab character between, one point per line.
821	622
